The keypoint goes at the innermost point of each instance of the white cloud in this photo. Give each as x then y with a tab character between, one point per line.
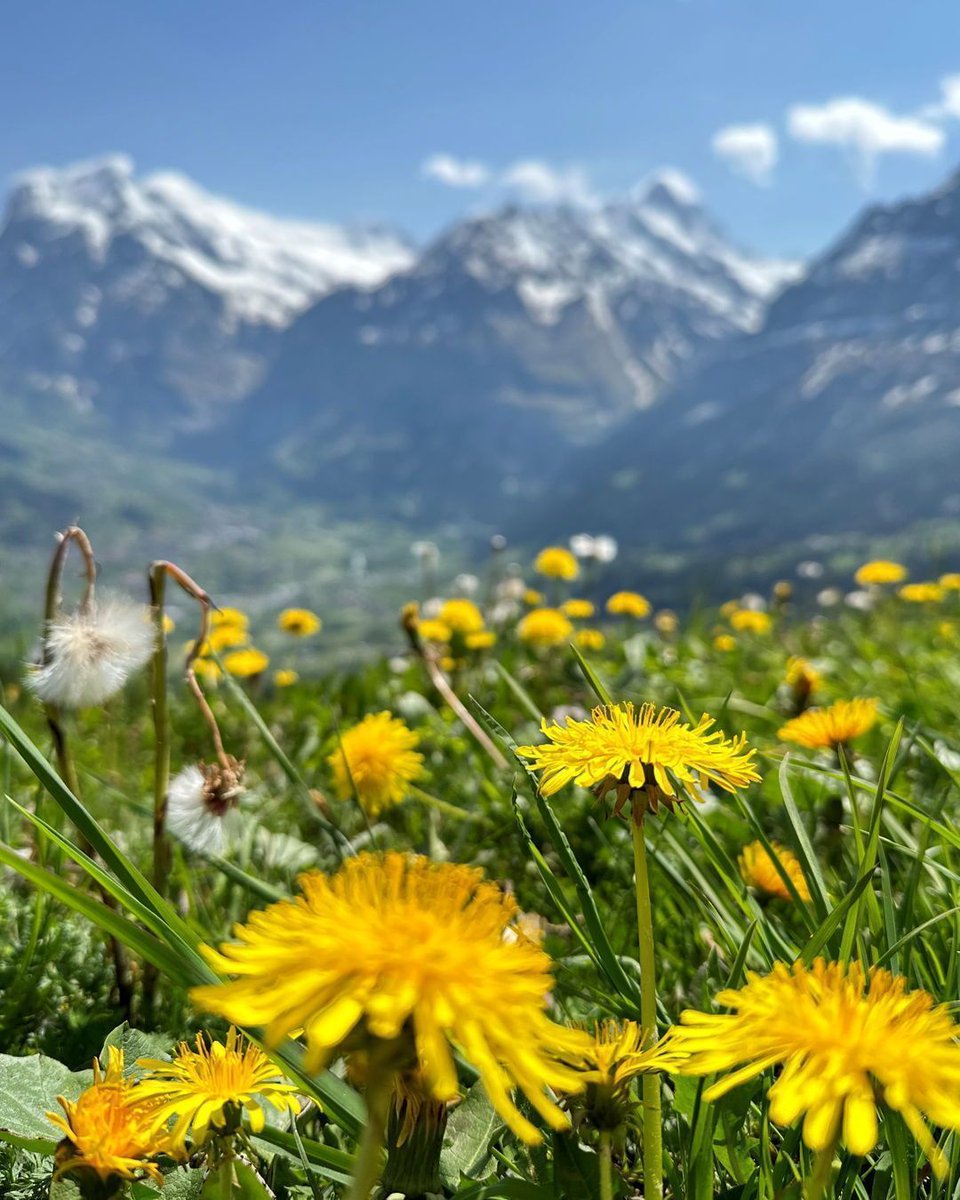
539	181
948	106
455	172
750	150
864	129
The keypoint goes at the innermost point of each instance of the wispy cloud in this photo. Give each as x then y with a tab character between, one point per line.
864	130
533	179
538	181
455	172
750	150
948	106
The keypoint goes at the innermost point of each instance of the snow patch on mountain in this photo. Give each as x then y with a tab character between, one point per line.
266	269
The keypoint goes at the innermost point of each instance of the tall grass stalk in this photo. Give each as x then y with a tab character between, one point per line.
652	1132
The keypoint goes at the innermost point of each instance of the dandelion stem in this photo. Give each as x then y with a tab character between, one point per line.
65	763
161	745
606	1166
822	1168
369	1161
652	1134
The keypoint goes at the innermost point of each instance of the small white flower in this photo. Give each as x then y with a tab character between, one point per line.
753	601
829	597
92	654
810	569
198	799
583	545
466	585
511	588
605	548
863	600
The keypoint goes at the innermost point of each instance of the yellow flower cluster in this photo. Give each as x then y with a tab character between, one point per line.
119	1126
759	870
628	604
827	728
880	571
748	620
398	951
556	562
645	754
378	760
846	1038
545	628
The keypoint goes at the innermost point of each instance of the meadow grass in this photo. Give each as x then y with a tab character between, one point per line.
857	842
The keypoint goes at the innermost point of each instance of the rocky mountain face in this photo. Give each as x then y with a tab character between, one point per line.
515	339
841	413
148	305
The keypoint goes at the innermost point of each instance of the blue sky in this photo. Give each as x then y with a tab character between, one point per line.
329	109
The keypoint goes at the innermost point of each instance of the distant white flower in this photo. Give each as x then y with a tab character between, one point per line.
92	654
949	758
431	608
810	569
753	601
198	799
466	585
427	552
863	600
605	548
582	544
829	597
511	588
504	611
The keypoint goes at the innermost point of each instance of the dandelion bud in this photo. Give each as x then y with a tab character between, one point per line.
90	654
198	800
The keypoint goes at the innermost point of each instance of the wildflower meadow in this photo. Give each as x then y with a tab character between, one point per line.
562	897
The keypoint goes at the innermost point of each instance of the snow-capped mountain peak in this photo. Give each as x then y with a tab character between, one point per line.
265	269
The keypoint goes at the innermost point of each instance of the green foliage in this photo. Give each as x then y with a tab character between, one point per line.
874	833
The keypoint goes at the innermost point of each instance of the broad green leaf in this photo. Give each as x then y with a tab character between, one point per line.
29	1088
136	1044
472	1128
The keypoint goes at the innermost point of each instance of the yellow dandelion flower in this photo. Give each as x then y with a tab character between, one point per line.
208	1088
556	562
545	627
921	593
724	642
169	624
300	622
246	663
614	1058
590	639
848	1039
483	639
111	1128
802	676
947	629
950	582
461	616
758	870
578	610
729	607
398	950
747	620
880	571
207	670
228	616
628	604
827	728
379	758
666	622
646	755
532	598
285	677
224	637
782	591
431	630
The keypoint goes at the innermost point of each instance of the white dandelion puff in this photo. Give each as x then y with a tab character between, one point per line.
198	799
91	653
